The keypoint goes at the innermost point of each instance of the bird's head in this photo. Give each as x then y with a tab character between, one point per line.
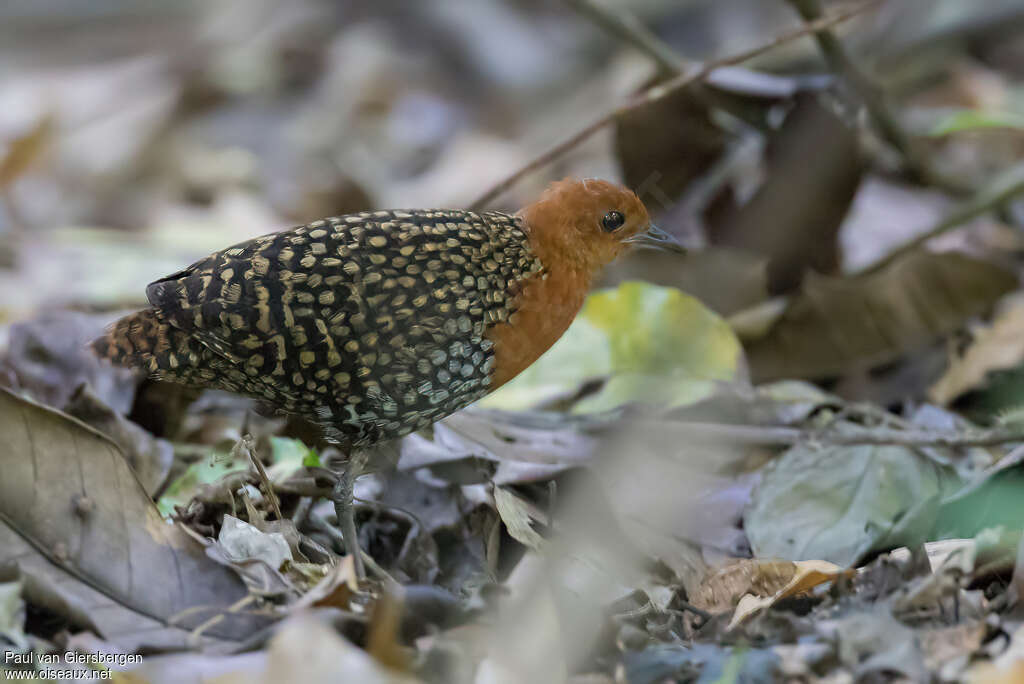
589	222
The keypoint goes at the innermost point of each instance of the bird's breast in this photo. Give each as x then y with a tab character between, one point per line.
545	307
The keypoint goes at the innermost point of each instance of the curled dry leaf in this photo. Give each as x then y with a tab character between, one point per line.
242	541
722	589
335	590
805	576
515	513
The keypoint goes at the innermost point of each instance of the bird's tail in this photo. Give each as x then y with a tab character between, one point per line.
134	340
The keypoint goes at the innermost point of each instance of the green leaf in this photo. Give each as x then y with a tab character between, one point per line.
206	471
290	454
991	500
974	119
657	344
839	503
311	459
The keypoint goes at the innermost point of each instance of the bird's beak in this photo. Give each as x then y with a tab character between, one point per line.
656	238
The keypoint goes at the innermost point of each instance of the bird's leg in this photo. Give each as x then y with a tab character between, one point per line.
342	498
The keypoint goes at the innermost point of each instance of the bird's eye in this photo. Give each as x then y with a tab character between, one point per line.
613	220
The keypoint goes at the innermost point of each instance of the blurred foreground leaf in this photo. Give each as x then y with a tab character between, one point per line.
657	344
75	521
839	503
835	325
21	152
304	649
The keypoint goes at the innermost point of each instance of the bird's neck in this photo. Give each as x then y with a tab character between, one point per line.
545	306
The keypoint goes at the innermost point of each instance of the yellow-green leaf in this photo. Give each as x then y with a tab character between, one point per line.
656	344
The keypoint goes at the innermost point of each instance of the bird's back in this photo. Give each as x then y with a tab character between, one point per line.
374	323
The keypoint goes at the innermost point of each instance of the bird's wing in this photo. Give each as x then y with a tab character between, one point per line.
352	305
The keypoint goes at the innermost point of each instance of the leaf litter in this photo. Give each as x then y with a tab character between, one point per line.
631	508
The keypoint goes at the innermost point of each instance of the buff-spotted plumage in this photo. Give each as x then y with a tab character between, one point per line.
380	323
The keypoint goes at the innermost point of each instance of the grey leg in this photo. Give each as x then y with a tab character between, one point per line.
342	497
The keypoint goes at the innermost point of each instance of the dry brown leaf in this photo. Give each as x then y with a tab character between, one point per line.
83	532
304	649
1006	668
335	590
664	146
806	576
997	347
987	673
835	325
812	174
515	513
722	589
384	640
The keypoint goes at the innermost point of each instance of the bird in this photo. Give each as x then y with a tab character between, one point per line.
375	324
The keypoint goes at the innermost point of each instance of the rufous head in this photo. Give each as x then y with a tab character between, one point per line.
588	223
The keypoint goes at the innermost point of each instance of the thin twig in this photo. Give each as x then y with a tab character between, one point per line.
874	101
995	194
660	92
850	436
249	445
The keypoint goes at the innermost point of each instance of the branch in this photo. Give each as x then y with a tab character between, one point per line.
618	420
874	101
995	194
788	436
660	92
